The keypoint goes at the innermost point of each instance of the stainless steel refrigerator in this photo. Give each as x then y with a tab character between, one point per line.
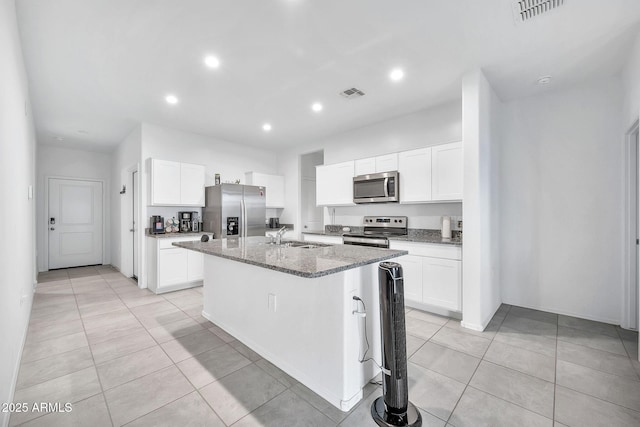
234	210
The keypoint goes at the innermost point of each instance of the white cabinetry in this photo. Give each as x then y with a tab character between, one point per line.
414	168
320	238
433	276
165	182
386	163
176	184
274	185
446	171
192	180
170	268
365	166
334	184
431	174
412	275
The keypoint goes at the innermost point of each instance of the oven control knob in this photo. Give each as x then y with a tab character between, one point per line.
399	220
395	220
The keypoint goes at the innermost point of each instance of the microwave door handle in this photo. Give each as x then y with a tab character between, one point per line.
386	187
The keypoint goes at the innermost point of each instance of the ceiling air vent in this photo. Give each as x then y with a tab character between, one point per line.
352	93
524	10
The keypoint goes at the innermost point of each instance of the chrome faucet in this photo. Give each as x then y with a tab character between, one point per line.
279	234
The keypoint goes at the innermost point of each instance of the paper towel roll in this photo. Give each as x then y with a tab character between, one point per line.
446	227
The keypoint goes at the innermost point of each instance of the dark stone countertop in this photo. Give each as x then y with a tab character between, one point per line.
308	263
416	235
177	235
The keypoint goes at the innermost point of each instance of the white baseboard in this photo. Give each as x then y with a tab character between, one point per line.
16	369
611	321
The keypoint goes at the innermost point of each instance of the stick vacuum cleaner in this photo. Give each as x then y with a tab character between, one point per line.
393	407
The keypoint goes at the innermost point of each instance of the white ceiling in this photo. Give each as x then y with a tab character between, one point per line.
99	67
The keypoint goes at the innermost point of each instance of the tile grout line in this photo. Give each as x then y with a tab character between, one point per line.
21	364
476	369
91	352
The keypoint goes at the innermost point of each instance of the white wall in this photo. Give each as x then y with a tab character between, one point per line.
125	158
229	159
631	84
17	173
562	202
432	126
70	163
481	118
630	114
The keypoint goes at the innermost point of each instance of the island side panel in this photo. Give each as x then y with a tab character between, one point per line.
311	333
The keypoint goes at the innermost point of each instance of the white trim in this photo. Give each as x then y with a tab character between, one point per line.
553	310
46	213
629	286
16	370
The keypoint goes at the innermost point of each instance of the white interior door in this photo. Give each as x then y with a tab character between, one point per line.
75	223
135	227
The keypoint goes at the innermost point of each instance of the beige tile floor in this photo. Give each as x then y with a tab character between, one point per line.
124	356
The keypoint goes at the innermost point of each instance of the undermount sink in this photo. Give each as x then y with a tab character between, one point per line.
298	244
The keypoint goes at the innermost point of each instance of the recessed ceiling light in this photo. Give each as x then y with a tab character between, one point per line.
544	80
266	127
317	107
171	99
396	74
212	61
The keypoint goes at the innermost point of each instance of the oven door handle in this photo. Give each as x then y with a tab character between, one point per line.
386	187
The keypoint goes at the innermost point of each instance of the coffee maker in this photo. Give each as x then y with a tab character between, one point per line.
156	224
186	221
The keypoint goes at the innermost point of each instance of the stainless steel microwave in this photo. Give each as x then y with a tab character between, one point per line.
376	188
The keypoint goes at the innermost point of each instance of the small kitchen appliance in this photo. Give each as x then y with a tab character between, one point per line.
377	230
393	407
376	188
156	224
186	221
274	222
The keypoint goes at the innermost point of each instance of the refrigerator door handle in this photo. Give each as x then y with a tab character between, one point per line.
243	219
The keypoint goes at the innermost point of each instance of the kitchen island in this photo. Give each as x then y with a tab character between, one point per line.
293	304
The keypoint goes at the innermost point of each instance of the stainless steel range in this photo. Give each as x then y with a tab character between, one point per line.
377	230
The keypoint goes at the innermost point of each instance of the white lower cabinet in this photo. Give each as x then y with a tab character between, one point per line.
412	275
441	280
170	268
432	276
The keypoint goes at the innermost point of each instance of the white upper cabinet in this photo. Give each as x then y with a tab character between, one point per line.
176	184
447	171
334	184
386	163
192	179
415	175
274	185
165	182
365	166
